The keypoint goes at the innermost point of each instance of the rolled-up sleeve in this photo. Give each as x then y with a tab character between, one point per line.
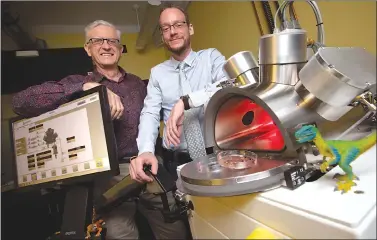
150	117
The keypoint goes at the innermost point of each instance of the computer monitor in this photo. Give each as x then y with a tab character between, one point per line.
71	144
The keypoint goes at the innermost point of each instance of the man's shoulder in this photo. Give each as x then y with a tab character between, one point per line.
136	79
133	76
78	75
208	52
74	78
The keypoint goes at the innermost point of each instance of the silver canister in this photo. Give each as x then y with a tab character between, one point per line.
243	67
337	76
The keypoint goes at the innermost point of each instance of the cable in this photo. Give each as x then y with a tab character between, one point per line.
277	5
268	14
284	9
257	17
276	14
320	28
292	12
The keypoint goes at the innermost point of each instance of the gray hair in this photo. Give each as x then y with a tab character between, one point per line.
100	23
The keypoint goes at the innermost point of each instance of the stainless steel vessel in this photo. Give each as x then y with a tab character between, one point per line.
261	115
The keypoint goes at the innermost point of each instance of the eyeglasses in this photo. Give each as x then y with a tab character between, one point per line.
177	25
100	41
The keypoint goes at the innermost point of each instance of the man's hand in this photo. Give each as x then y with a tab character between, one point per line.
137	167
116	106
174	124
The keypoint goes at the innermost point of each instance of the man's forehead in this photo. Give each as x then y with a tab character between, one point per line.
170	16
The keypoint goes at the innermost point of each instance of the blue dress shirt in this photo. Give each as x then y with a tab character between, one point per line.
203	70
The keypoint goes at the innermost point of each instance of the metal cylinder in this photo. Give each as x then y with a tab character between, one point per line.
243	67
284	74
325	110
288	46
337	76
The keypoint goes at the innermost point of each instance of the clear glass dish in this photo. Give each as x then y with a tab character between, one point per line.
237	159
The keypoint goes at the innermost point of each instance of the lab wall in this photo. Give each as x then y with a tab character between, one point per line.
232	27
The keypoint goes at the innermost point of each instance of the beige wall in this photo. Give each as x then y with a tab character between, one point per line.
231	26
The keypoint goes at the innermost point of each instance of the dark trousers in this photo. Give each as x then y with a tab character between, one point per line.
172	159
120	221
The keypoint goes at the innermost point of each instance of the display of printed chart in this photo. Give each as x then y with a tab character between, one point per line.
63	143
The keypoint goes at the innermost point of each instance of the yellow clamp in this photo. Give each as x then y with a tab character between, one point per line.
261	233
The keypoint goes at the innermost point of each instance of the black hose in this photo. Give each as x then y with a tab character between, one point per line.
268	15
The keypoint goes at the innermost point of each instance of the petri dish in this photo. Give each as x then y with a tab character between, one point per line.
237	159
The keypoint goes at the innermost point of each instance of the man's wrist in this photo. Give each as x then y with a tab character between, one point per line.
144	152
89	85
86	86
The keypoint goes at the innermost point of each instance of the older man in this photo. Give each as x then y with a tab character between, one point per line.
126	94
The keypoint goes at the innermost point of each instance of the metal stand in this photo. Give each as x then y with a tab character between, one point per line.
77	211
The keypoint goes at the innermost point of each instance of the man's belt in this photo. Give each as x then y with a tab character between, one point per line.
176	155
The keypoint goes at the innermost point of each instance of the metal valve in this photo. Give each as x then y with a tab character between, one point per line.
179	196
367	100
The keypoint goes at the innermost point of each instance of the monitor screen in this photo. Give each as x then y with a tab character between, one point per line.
65	143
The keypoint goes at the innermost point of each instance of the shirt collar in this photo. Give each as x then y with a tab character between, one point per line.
98	77
189	60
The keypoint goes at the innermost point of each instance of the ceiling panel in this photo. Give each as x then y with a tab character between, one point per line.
77	12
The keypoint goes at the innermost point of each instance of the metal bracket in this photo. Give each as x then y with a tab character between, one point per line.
367	100
180	212
167	184
227	83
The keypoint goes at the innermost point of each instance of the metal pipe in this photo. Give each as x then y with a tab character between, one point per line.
317	13
320	28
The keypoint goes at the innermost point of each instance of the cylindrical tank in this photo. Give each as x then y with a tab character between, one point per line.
334	77
243	67
280	56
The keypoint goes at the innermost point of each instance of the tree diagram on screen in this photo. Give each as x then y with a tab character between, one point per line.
50	138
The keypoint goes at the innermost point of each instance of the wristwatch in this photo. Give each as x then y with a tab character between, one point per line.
185	100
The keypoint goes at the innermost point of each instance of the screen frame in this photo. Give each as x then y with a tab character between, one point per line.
110	142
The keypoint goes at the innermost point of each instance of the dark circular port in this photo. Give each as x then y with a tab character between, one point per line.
248	118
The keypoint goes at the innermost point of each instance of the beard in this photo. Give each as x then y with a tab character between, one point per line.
181	49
